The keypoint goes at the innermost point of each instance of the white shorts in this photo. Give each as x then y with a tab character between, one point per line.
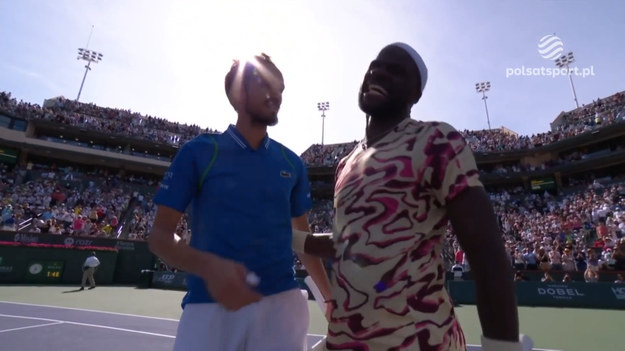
276	322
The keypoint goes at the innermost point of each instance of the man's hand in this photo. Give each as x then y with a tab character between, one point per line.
224	279
226	282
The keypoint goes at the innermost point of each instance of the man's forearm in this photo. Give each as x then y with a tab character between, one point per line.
180	255
475	224
496	300
314	267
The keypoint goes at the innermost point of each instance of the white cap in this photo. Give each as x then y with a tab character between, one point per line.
423	70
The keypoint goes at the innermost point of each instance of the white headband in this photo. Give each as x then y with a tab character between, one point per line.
423	70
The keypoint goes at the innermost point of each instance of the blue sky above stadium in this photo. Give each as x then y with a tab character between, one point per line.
168	58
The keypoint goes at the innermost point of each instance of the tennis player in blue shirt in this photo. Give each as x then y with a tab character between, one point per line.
248	195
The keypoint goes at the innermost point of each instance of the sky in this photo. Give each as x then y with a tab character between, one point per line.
168	58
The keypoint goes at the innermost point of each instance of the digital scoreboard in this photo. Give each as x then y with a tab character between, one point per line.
45	271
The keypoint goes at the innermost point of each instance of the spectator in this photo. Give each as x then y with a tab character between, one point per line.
547	278
519	260
568	262
543	260
555	260
531	259
591	275
567	278
518	277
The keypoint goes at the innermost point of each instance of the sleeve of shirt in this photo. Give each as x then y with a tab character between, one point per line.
179	182
450	164
301	201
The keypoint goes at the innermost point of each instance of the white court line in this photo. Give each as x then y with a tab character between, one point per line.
96	311
29	327
87	310
54	322
122	329
26	317
479	348
81	324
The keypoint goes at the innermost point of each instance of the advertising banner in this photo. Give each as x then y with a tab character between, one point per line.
576	294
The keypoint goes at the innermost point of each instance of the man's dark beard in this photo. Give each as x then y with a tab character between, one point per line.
262	120
266	121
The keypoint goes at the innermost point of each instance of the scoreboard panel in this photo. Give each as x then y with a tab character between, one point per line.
45	271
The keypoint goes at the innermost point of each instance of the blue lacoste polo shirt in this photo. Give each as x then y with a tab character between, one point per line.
242	201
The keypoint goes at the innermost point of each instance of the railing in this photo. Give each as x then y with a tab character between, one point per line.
23	226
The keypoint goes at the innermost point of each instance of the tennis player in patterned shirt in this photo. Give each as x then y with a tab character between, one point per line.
394	196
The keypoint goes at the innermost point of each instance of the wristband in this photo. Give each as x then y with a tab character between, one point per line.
525	343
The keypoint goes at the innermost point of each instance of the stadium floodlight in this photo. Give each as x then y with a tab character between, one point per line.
483	87
563	62
89	56
323	107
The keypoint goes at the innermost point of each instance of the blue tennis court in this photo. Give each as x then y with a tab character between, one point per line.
27	327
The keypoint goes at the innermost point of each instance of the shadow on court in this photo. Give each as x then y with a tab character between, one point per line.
72	291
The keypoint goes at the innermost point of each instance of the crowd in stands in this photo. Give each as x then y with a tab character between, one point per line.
599	113
562	160
102	119
582	231
579	232
327	155
47	199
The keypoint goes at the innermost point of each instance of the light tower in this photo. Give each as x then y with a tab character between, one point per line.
563	62
89	56
483	87
323	107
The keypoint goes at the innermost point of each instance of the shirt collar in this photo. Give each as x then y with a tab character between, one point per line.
366	143
240	140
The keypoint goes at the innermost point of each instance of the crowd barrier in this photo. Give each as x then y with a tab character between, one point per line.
53	264
530	293
536	275
131	258
168	280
